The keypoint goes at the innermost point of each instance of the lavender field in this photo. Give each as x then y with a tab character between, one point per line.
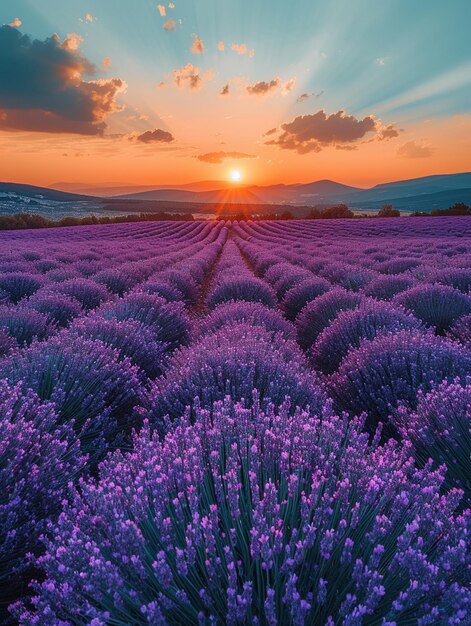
236	423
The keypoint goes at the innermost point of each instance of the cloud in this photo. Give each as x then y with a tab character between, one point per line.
415	150
219	157
287	87
42	86
239	48
171	5
72	41
252	53
190	76
263	87
386	132
161	10
106	63
307	95
221	46
16	23
380	61
197	47
170	25
162	85
225	90
156	136
89	17
312	133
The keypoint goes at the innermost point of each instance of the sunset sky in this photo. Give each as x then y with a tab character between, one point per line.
142	92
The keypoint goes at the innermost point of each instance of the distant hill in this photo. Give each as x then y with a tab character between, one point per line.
39	193
418	194
410	194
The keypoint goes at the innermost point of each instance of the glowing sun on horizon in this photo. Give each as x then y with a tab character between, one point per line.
235	176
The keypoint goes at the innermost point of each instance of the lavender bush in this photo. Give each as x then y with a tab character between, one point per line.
19	285
350	328
60	309
251	313
24	324
87	292
168	321
258	517
440	428
299	295
235	364
392	369
247	289
319	313
436	305
130	338
38	458
92	389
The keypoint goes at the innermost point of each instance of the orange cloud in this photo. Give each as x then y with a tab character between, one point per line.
72	41
106	63
190	76
170	25
16	23
161	10
415	150
219	157
89	17
225	90
262	87
197	46
239	48
221	46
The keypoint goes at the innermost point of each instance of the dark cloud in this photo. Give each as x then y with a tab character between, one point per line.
308	95
387	132
263	87
42	86
219	157
225	91
312	133
156	136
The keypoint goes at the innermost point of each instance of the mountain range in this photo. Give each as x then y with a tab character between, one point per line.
417	194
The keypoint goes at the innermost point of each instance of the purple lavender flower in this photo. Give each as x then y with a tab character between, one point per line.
318	314
168	321
257	517
436	305
440	428
350	328
235	363
391	369
19	285
299	295
252	313
38	458
91	388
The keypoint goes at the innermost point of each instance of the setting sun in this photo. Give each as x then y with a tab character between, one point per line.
236	176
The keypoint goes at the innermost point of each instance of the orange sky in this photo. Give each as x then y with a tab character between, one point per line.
282	97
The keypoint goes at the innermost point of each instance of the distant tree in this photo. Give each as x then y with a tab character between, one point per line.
459	208
286	215
387	210
337	212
